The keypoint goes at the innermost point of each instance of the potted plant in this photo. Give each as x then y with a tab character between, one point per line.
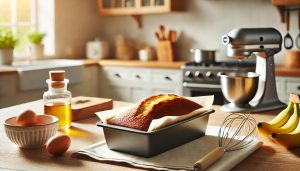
7	44
36	48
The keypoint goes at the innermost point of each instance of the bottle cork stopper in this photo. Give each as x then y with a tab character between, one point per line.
57	75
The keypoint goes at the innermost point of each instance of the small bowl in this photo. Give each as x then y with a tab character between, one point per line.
31	136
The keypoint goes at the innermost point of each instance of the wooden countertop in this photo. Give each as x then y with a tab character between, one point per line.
141	64
132	63
83	133
7	70
284	71
279	70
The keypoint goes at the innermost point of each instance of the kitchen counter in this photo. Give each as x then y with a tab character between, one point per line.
83	133
284	71
7	70
279	70
137	63
132	63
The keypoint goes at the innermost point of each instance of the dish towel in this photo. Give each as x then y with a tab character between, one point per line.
180	158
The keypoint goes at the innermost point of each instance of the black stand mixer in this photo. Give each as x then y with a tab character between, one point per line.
252	92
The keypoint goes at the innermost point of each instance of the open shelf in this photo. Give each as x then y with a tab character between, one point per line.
136	8
286	5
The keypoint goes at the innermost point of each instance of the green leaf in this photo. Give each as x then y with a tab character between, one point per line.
7	39
36	37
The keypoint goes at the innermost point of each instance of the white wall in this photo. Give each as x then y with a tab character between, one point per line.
76	22
200	26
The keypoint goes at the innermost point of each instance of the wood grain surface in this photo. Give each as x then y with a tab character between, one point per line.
85	132
279	70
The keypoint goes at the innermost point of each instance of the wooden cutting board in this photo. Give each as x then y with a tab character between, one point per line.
85	107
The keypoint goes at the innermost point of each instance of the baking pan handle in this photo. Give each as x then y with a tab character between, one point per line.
209	159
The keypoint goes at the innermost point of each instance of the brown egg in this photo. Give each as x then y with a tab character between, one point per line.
26	118
58	144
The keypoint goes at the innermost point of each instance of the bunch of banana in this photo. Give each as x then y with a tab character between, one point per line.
286	121
289	140
284	129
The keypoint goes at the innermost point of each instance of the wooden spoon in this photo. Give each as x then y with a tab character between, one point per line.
162	31
172	36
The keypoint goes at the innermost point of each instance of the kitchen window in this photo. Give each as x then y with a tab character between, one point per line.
19	16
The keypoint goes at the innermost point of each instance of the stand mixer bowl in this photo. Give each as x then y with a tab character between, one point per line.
239	88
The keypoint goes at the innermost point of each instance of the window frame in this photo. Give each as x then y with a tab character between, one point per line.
14	23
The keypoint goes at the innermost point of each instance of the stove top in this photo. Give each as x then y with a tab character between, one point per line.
220	64
207	73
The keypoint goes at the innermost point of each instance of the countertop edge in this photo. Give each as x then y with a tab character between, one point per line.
279	70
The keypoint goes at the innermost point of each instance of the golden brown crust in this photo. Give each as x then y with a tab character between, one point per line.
140	116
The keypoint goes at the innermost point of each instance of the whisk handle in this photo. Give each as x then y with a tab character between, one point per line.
209	159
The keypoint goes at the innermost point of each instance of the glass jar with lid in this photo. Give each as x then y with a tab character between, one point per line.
57	100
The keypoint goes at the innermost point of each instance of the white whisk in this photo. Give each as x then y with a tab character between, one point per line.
236	132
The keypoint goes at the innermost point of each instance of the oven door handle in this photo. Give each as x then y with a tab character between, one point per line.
193	85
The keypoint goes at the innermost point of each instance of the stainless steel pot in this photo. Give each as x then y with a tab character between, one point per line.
205	56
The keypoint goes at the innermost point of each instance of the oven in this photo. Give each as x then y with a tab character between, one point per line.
199	89
201	79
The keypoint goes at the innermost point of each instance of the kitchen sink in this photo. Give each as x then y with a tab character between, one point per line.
33	74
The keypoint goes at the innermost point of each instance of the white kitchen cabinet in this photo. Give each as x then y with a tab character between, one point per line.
139	93
287	85
10	93
280	81
134	84
120	92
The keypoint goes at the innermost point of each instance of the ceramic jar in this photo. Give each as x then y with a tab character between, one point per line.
6	56
36	51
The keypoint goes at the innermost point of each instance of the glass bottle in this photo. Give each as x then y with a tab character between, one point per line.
57	100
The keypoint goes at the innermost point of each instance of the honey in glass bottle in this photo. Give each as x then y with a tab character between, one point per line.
57	100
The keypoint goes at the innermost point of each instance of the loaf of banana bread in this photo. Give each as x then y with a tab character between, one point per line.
140	116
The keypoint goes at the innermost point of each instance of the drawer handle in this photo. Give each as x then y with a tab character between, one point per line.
117	75
138	76
168	78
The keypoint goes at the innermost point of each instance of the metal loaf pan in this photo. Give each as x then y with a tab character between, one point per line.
148	144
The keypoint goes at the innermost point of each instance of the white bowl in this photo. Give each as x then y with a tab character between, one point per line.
31	136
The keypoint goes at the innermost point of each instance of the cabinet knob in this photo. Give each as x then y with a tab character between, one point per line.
138	76
168	78
117	75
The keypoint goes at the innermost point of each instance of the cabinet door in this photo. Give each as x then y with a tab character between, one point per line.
138	94
120	93
280	86
164	91
290	85
139	7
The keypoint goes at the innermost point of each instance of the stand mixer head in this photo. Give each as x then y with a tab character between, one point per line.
242	43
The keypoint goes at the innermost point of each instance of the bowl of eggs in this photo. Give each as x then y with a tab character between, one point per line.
29	130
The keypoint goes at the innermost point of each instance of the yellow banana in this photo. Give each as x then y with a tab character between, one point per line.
290	140
283	116
266	129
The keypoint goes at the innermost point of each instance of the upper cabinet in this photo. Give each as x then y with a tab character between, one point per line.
285	2
136	8
286	5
